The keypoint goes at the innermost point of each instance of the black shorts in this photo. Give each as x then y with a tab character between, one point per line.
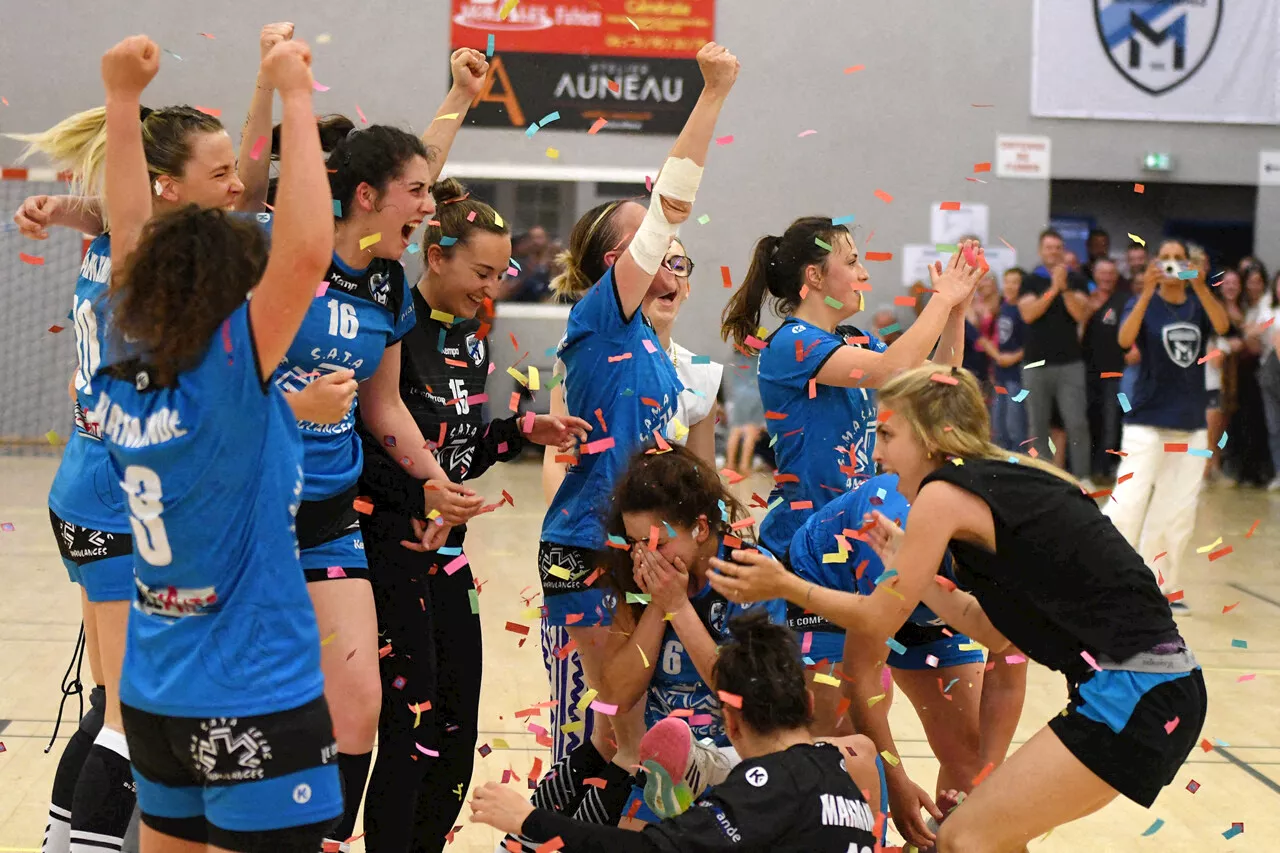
1137	754
571	589
99	561
329	538
259	783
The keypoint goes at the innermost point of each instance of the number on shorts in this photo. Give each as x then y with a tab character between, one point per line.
671	658
142	485
88	352
342	319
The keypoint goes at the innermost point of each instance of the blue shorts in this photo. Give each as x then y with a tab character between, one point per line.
572	601
243	775
101	562
329	540
829	646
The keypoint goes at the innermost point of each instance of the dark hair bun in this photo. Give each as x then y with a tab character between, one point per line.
447	190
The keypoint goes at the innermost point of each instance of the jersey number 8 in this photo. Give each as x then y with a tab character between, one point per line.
142	485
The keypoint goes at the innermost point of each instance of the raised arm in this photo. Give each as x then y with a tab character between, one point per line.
1128	332
677	183
256	174
40	212
302	239
1216	310
126	70
469	69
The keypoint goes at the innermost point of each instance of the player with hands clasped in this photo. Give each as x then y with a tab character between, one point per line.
1092	611
223	645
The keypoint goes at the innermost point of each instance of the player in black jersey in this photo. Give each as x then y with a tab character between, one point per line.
435	653
788	794
1047	571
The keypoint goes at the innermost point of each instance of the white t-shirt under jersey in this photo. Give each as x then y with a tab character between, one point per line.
701	384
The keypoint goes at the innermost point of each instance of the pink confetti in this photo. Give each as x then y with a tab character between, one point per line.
318	86
321	288
526	425
502	447
806	642
701	720
259	144
511	271
360	113
932	660
1171	725
886	679
477	399
1088	658
1014	659
425	751
455	564
648	184
595	128
805	133
471	217
335	572
1250	677
604	708
724	140
598	446
649	347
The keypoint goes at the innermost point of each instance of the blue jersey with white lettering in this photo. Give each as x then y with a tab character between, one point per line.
348	327
825	438
676	683
212	474
856	567
617	367
86	490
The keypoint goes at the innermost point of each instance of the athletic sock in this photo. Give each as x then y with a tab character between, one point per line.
354	770
57	834
564	786
604	805
105	796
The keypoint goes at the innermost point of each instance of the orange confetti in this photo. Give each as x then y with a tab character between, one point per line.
1175	596
731	699
949	205
983	774
876	256
1220	553
981	167
802	504
1252	529
1111	375
854	69
616	358
906	301
34	260
1230	607
945	379
724	274
595	128
614	86
1123	478
364	506
884	196
774	416
1139	188
731	475
210	111
1174	447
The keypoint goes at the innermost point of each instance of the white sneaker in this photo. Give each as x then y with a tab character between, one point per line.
675	759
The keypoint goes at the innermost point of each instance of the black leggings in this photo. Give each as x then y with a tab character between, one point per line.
422	773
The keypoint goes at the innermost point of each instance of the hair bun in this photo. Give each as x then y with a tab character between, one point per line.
448	190
572	281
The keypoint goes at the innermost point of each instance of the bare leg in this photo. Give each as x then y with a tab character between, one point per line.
349	626
747	461
951	725
732	448
1217	423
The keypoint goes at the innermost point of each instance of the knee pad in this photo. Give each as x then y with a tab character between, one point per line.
679	181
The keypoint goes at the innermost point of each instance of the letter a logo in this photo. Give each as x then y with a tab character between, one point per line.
507	97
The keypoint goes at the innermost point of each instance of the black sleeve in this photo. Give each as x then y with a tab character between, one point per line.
501	441
1032	285
542	825
1076	281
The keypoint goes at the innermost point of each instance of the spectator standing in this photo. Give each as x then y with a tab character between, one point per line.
1008	418
1267	334
1053	301
1104	357
1135	261
1248	458
532	283
1098	247
1220	372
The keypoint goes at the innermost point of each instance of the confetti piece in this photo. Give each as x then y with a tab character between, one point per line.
896	646
822	244
442	316
1171	725
455	564
854	69
638	598
445	117
830	681
884	196
833	302
1139	188
596	126
318	86
981	167
259	144
1093	664
1135	238
704	219
1228	608
488	52
506	9
805	133
1220	553
366	242
944	379
51	436
474	598
556	843
871	703
1154	828
878	256
1236	829
604	708
950	205
548	118
1193	786
1214	544
1020	396
890	758
724	140
34	260
7	527
733	700
553	153
54	329
1253	528
1222	442
323	38
1124	402
1250	677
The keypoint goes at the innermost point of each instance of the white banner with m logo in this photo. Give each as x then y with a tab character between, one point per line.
1157	60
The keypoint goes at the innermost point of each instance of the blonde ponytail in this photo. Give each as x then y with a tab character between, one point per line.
77	144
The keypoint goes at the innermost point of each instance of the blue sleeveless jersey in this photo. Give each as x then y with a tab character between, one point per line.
616	366
212	475
347	327
677	684
86	491
823	534
825	441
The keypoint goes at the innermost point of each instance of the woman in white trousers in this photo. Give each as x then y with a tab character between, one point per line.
1165	442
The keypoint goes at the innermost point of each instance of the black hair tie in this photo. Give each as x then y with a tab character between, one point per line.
144	112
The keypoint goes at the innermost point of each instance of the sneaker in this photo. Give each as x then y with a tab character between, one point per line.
675	760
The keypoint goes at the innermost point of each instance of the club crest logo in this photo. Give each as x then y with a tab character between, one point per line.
1181	343
1157	45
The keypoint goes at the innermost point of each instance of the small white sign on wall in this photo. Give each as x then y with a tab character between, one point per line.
950	224
1269	168
1025	157
916	260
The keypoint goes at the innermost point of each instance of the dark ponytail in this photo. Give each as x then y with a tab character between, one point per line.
777	270
374	155
761	664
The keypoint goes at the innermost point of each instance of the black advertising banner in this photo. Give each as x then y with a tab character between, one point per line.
627	63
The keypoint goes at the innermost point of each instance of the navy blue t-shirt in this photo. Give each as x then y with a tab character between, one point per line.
975	361
1011	331
1170	390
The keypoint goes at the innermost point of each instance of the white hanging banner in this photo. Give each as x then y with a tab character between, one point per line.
1157	60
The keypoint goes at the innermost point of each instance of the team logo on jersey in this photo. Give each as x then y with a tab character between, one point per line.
1181	343
475	349
379	287
716	616
68	534
225	751
1157	45
758	777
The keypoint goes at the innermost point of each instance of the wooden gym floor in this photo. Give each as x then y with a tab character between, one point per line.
1239	781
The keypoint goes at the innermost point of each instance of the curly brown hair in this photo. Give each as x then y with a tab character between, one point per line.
191	269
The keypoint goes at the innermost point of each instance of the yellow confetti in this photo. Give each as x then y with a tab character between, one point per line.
366	242
517	376
1207	548
575	726
586	700
535	381
553	153
891	591
762	332
51	436
643	656
506	9
957	461
329	639
874	699
890	757
324	38
823	678
680	430
433	515
442	316
972	647
531	613
842	556
446	117
560	572
497	219
499	743
1135	238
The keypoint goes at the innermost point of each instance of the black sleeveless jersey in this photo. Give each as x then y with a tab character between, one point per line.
1063	580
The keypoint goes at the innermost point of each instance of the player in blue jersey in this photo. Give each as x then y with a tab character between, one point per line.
816	374
940	671
221	691
618	378
380	178
190	160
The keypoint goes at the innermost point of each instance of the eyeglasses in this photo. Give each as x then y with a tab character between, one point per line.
678	264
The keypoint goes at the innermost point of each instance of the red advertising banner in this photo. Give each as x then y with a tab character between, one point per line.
628	62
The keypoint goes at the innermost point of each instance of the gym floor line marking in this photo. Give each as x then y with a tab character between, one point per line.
1248	768
4	724
1256	595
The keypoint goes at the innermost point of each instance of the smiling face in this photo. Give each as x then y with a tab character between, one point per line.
469	272
667	293
691	545
1011	286
209	178
396	211
1230	286
1052	251
900	451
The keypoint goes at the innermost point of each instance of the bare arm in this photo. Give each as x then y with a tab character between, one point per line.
469	69
39	212
1217	313
1128	332
552	471
1078	305
950	349
702	438
256	174
384	413
1032	308
627	672
126	70
1008	359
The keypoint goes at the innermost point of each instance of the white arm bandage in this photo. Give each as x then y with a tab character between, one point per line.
678	181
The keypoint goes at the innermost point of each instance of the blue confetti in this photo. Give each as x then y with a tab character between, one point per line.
550	352
896	646
448	241
808	661
337	209
440	343
671	531
1236	829
889	575
515	263
1222	442
449	551
1200	451
413	249
617	540
1124	402
880	493
706	359
548	118
488	52
1020	396
533	128
947	689
842	220
1239	644
171	53
1187	275
1154	828
1014	460
724	511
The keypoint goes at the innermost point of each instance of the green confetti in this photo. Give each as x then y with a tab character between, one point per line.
638	598
889	330
555	380
703	219
947	248
822	244
1052	449
834	303
1239	644
475	601
337	208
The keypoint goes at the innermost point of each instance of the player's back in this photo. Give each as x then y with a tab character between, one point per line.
211	469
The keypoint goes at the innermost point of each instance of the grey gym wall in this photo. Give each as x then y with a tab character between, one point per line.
905	124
